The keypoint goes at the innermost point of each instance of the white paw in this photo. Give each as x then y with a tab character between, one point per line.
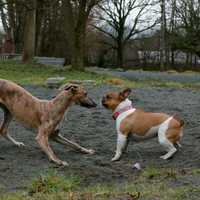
162	157
165	157
115	158
20	144
64	163
91	151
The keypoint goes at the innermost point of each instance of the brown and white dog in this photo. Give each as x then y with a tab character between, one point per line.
42	115
142	125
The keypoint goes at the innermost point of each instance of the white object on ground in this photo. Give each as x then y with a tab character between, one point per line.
137	166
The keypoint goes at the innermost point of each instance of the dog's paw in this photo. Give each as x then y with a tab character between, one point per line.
20	144
114	159
91	151
64	163
164	157
59	162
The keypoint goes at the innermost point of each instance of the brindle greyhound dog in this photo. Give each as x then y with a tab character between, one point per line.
42	115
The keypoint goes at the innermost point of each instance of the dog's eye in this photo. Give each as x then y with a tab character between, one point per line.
108	97
68	87
71	87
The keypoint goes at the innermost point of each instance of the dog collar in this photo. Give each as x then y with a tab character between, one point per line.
117	113
122	107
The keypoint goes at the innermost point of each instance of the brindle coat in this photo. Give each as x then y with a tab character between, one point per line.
42	115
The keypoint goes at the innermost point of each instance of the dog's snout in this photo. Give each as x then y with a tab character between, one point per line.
103	101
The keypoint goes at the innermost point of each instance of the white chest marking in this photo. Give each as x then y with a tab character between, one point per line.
121	117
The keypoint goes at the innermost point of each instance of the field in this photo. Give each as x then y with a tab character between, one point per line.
27	174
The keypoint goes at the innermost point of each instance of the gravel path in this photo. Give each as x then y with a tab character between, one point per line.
139	75
95	129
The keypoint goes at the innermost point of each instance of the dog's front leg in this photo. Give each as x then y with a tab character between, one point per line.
121	144
42	139
62	140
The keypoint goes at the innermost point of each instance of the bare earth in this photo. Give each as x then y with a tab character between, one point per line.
95	129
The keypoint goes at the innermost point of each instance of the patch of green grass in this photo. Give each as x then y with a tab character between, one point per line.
159	83
152	172
51	182
146	191
37	74
152	183
196	171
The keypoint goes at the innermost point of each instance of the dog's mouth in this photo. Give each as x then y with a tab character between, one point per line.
104	103
87	102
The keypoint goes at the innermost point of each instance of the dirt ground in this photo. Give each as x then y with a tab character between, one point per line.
95	129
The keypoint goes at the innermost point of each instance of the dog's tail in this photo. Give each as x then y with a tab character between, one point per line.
177	118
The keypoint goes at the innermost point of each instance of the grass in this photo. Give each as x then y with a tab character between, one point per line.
53	183
196	171
36	74
152	172
151	183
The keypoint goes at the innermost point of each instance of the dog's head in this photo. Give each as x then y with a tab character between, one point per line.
112	99
79	95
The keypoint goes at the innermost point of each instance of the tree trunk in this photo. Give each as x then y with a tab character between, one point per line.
3	18
120	55
78	45
39	28
29	34
172	57
162	37
75	27
172	28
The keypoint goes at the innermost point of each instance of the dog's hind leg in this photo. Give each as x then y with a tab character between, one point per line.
62	140
170	148
165	141
4	127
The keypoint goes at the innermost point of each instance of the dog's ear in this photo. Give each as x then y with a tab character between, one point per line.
69	87
65	87
74	89
125	93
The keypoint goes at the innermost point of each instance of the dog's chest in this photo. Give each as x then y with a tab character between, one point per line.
121	117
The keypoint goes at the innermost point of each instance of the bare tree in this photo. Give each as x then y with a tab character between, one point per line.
163	36
13	20
123	20
76	13
187	32
172	26
29	33
3	16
